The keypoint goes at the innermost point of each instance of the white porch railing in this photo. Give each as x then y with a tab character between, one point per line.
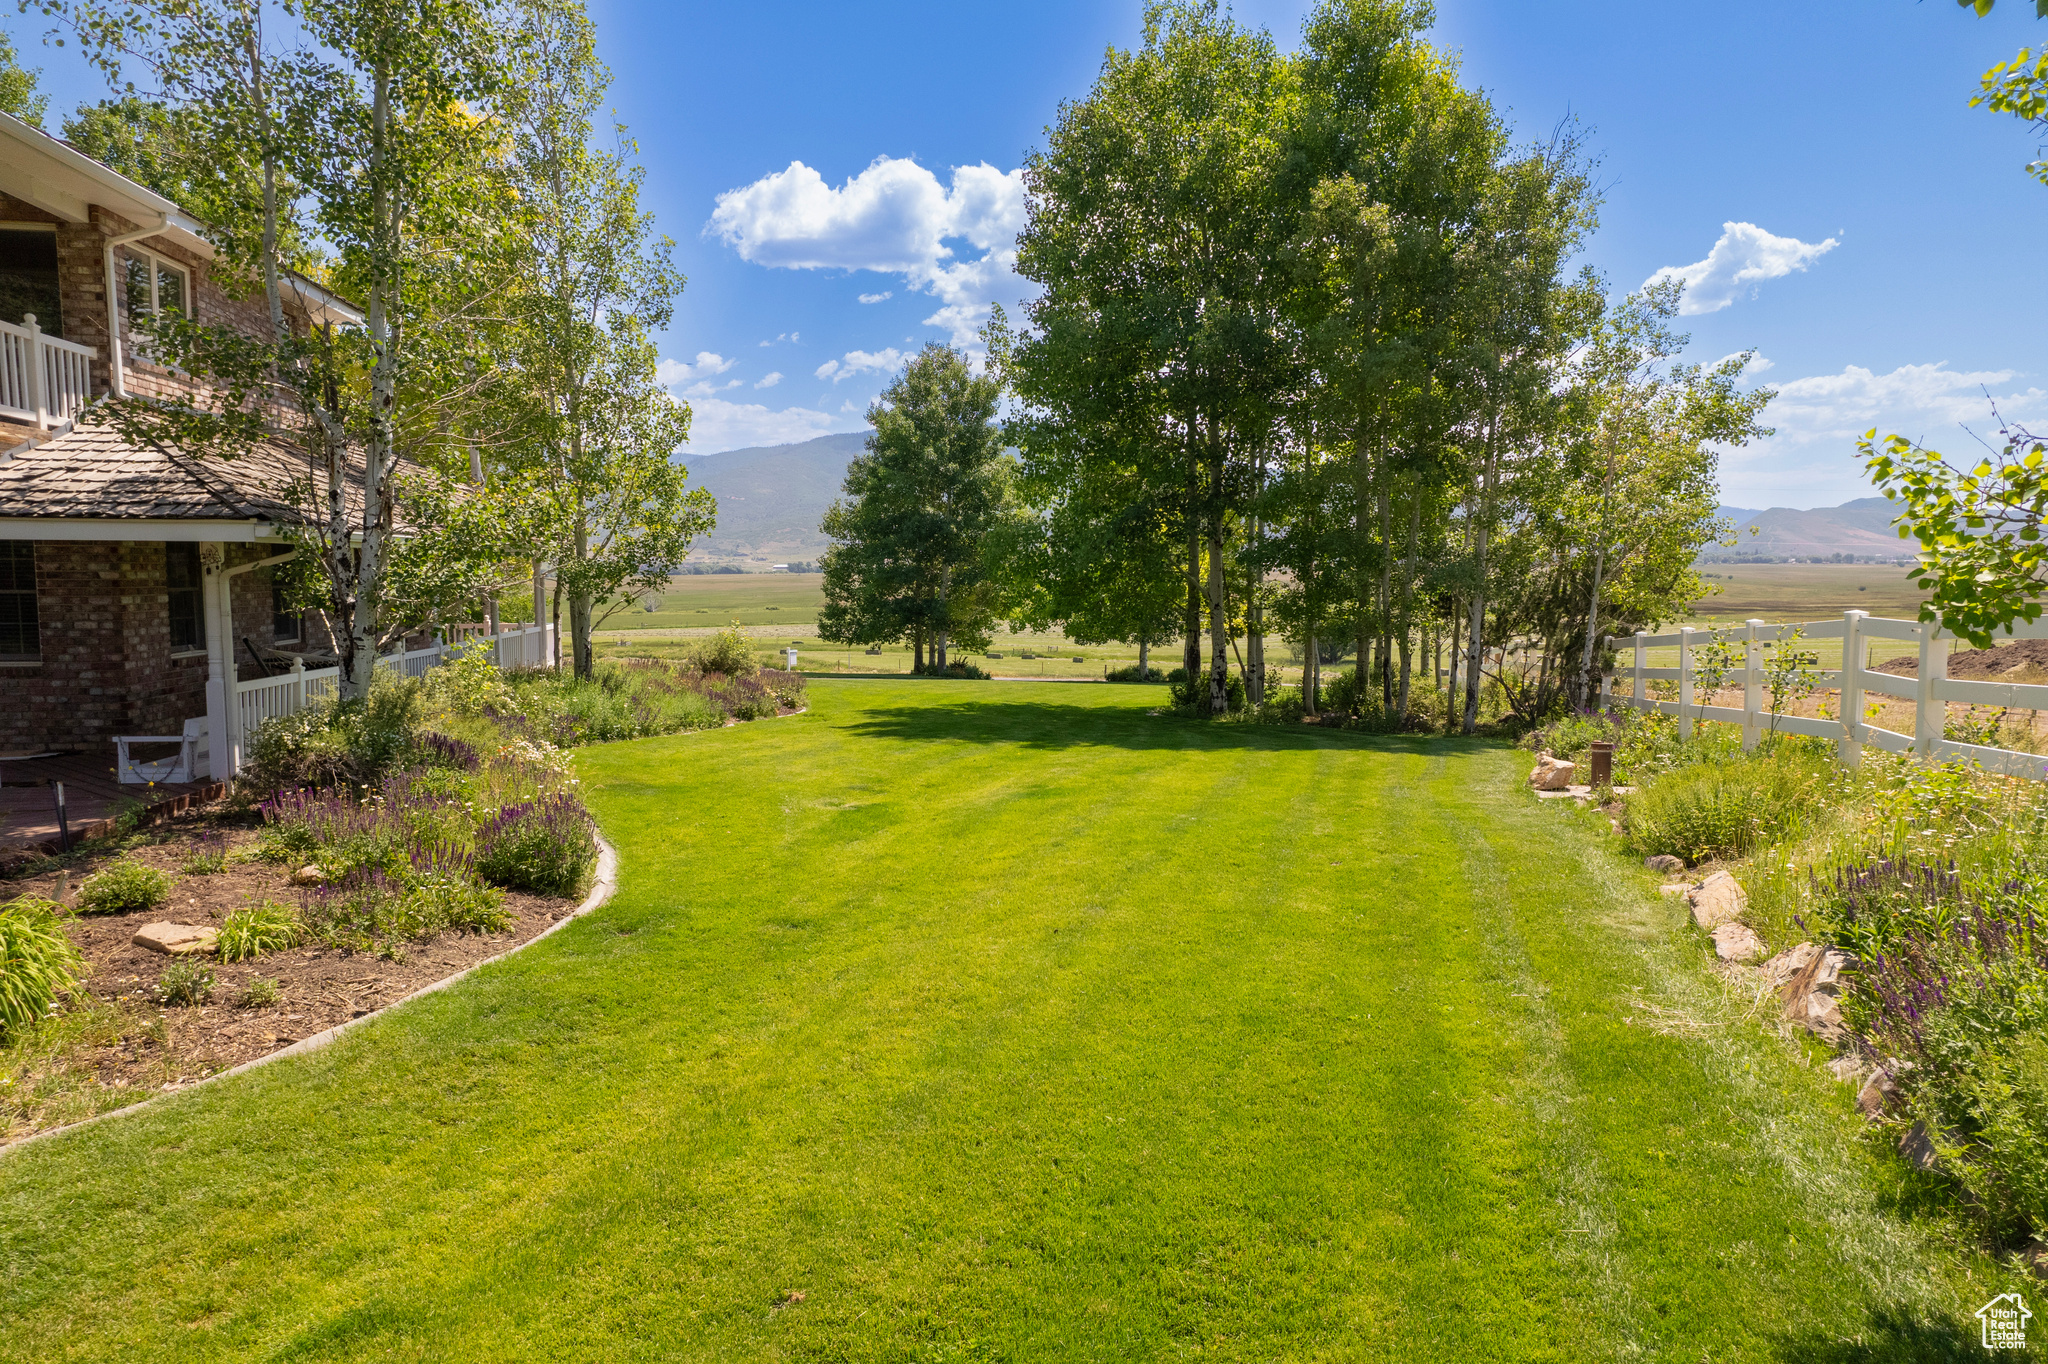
267	698
43	379
1930	690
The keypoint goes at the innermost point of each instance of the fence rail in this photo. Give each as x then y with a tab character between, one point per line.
1930	690
43	379
269	698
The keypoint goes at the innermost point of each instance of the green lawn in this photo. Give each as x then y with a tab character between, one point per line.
957	1021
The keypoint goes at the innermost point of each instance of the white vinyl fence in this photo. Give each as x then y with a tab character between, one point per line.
1854	681
267	698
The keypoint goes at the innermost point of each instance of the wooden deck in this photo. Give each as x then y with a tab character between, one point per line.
28	809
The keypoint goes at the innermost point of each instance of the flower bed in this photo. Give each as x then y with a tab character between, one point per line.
118	1040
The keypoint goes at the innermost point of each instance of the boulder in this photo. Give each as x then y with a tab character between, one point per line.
1787	964
1717	900
1551	774
1877	1093
175	940
308	875
1918	1148
1737	942
1845	1068
1665	863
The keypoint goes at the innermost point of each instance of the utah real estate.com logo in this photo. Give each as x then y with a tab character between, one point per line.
2005	1322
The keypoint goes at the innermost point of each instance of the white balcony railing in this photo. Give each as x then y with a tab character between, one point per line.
43	379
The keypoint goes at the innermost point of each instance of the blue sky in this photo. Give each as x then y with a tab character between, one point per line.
868	152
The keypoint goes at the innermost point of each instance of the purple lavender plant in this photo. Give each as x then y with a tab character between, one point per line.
547	846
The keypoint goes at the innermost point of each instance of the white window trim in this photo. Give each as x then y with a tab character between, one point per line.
158	263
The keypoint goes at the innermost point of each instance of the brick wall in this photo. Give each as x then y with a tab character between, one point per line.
107	667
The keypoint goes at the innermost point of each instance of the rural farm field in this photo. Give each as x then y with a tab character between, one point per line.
983	1021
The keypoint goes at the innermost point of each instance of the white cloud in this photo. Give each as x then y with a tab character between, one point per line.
878	298
705	388
770	380
855	361
673	372
1812	460
1744	257
716	424
893	218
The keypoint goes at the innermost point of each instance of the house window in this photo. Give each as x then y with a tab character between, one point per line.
153	283
28	276
20	630
181	576
284	621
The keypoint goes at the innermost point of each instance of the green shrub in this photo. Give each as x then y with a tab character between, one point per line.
729	652
789	688
1196	697
184	983
548	846
1130	673
38	962
437	903
259	993
958	667
124	887
256	929
339	742
1724	809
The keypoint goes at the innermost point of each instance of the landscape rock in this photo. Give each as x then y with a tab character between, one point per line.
1551	774
1918	1148
175	940
308	875
1877	1093
1846	1068
1789	963
1665	863
1717	900
1737	942
2035	1257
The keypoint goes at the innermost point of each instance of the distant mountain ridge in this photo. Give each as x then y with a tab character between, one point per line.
1863	526
771	498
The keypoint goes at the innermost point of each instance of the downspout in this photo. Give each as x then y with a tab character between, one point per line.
117	373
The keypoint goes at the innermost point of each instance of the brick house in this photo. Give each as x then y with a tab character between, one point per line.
135	581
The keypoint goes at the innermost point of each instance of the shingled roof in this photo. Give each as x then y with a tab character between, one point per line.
94	472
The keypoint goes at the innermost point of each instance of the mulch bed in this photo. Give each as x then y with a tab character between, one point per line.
318	987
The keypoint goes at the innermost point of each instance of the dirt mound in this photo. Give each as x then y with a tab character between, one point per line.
2014	662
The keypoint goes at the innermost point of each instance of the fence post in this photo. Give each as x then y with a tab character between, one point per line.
298	685
1927	712
1640	695
1685	682
34	355
1849	749
1752	688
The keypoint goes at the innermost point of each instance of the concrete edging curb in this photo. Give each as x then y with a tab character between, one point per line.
606	885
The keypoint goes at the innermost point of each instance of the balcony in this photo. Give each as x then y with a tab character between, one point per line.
44	381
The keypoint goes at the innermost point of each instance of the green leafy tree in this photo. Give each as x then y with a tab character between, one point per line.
351	137
589	433
1153	346
911	535
1983	559
18	86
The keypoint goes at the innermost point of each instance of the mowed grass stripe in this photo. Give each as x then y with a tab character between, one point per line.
1000	1022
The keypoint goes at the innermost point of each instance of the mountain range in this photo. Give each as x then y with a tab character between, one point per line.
771	498
1861	527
